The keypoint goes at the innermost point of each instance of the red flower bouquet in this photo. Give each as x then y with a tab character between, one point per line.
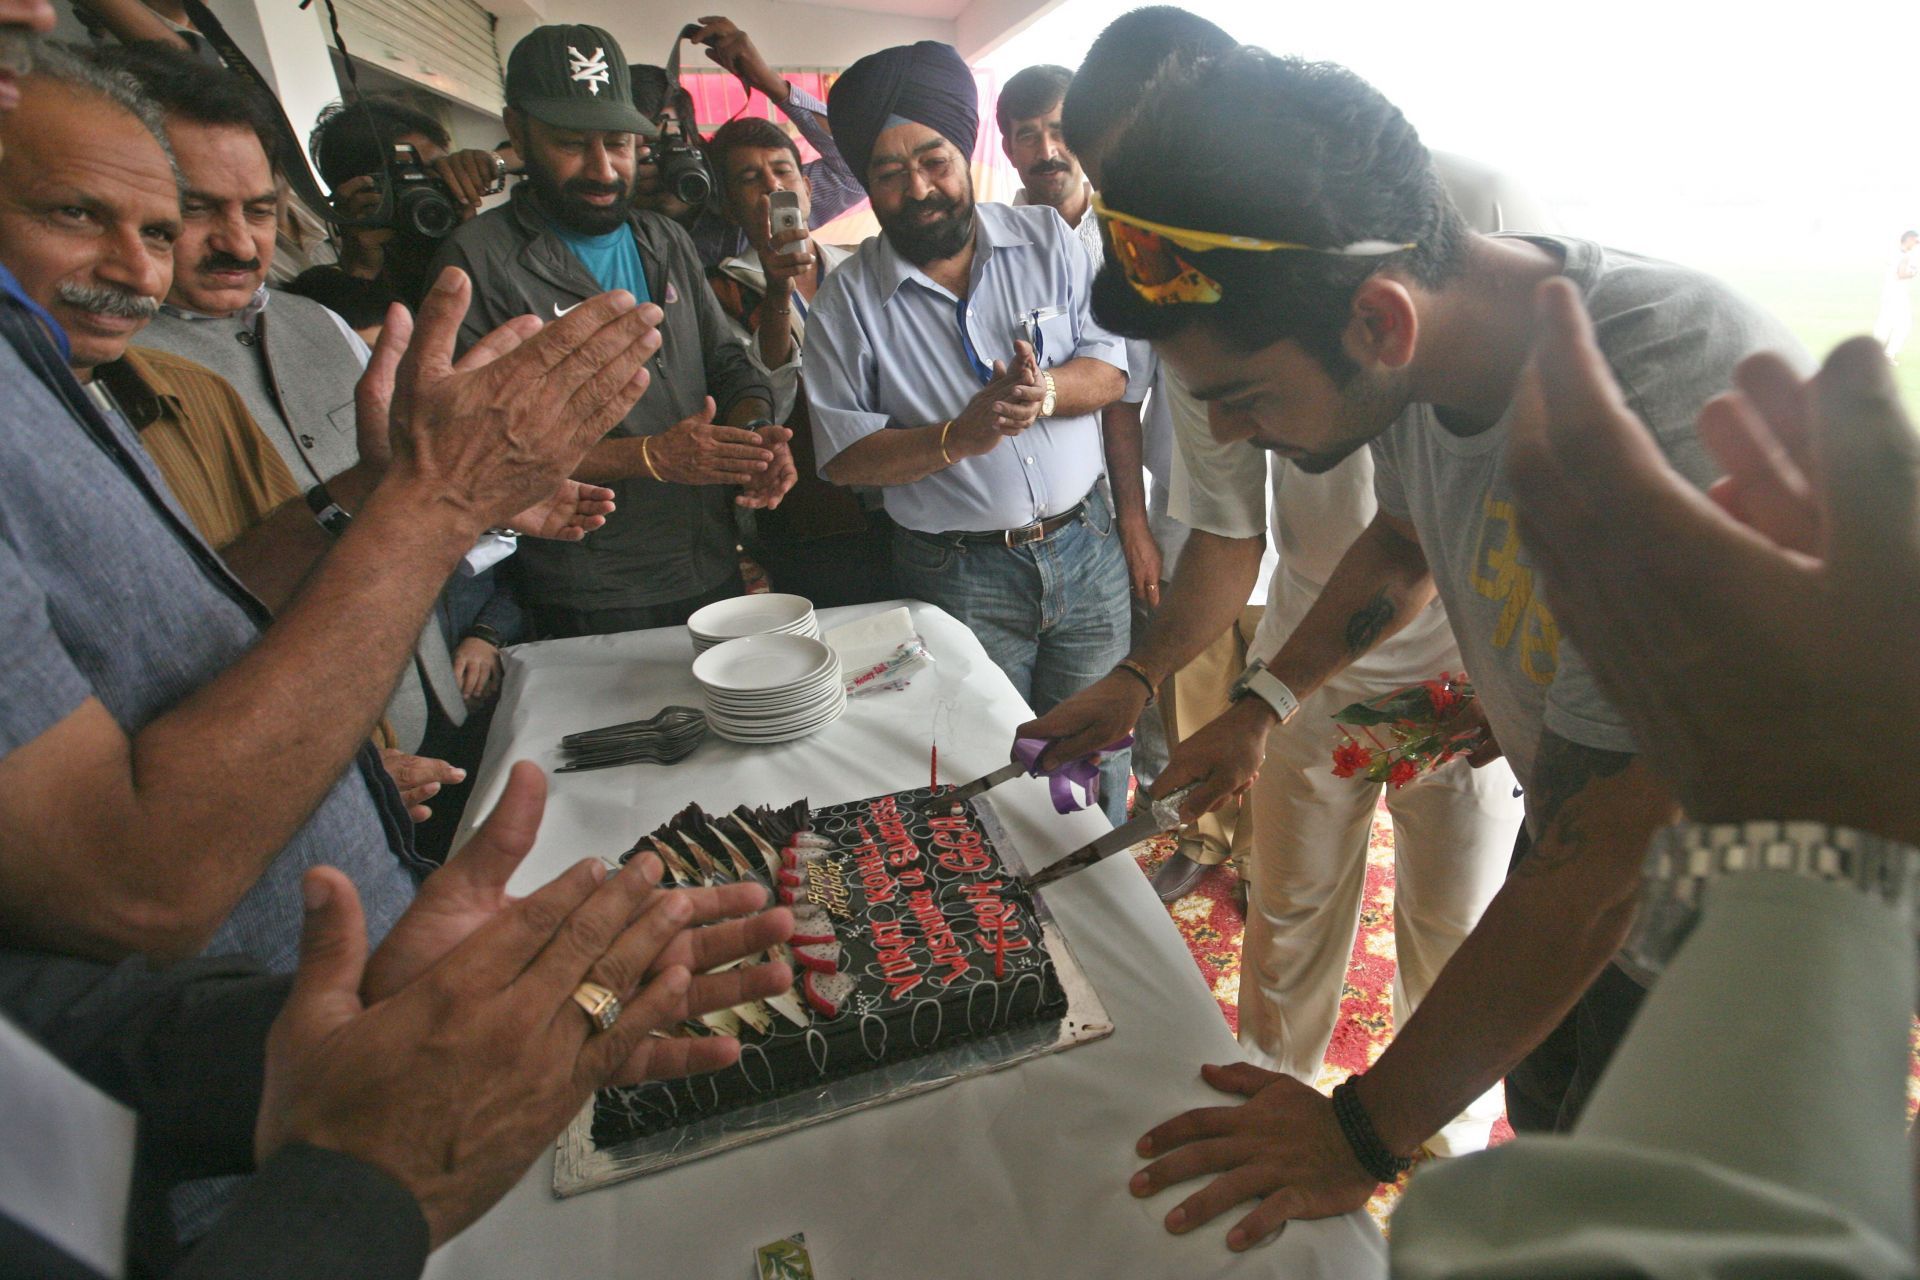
1398	736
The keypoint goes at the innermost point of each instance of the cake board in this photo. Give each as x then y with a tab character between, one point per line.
580	1165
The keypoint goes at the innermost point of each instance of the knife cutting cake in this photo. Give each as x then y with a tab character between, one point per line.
910	935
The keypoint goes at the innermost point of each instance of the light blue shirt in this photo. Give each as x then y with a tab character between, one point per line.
884	350
613	259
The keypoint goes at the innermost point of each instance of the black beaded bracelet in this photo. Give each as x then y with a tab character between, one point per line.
1381	1164
1139	673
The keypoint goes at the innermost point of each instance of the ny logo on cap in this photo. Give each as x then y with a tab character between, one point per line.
591	70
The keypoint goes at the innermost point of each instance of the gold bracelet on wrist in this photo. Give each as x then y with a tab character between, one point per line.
944	455
646	458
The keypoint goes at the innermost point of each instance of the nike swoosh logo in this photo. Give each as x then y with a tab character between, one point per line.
559	310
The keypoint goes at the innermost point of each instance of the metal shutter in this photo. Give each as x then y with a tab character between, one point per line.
445	45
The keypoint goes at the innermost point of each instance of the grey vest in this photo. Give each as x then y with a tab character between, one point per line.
296	372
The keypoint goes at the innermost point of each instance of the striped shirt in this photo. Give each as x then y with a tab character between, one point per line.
194	426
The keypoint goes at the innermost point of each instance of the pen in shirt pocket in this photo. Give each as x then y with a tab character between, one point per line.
1029	330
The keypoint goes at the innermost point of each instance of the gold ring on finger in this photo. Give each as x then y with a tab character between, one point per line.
601	1005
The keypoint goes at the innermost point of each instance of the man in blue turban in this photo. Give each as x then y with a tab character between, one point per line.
953	363
926	83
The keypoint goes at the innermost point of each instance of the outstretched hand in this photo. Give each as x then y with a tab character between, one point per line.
1762	614
568	514
498	430
698	450
419	779
1280	1146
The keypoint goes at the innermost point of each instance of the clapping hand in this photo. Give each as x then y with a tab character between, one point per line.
472	888
568	514
1752	637
498	430
453	1058
698	450
1006	406
765	491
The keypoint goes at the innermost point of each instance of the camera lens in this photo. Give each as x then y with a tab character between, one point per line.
692	185
428	213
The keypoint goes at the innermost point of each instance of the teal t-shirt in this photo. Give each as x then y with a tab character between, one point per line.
613	259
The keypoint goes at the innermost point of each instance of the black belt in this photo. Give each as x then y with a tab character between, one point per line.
1026	534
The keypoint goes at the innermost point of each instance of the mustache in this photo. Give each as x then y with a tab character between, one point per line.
935	203
1049	166
587	187
218	260
103	300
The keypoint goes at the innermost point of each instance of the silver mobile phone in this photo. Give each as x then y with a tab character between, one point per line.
786	213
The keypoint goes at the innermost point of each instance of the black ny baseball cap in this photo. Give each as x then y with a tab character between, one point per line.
574	77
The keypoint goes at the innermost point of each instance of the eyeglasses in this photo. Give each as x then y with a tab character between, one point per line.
931	165
1148	257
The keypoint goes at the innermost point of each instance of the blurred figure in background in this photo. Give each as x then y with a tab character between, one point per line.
1895	321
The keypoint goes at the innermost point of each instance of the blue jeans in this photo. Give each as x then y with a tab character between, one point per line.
1053	615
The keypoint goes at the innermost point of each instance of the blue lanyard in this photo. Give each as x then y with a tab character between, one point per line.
1029	329
981	368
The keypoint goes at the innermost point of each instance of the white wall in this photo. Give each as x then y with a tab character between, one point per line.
789	35
289	46
469	126
985	25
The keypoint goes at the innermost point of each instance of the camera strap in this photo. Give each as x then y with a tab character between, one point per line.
684	99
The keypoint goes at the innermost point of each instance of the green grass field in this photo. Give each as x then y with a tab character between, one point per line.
1823	306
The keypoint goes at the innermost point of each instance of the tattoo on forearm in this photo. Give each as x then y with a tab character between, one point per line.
1563	820
1368	623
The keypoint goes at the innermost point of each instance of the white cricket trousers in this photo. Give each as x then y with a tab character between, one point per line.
1453	834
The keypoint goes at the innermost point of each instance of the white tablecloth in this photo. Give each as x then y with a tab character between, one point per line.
1022	1173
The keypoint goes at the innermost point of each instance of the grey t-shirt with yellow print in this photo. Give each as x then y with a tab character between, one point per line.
1673	337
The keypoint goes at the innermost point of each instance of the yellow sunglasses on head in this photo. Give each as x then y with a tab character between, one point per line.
1146	252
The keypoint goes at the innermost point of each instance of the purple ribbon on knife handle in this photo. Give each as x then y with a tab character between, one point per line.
1081	775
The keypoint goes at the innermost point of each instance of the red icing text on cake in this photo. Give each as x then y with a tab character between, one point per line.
901	850
999	924
891	950
946	948
957	845
873	871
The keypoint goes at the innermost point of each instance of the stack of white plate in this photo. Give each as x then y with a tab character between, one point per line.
762	615
770	688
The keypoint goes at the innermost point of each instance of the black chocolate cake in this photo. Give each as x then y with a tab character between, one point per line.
910	935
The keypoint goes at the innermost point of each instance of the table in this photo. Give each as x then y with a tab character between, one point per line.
1020	1173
